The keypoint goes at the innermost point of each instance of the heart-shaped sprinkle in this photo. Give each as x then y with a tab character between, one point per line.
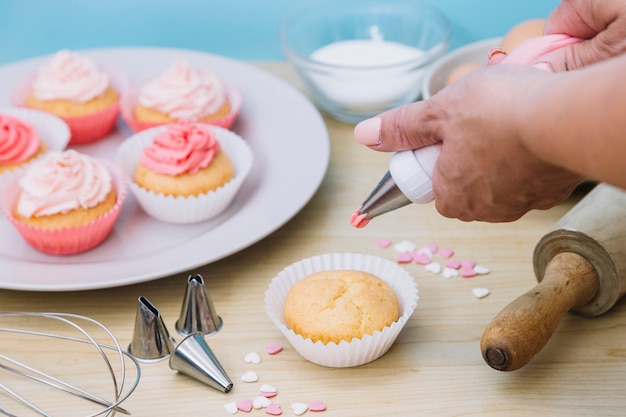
468	264
274	348
480	292
422	258
299	408
244	405
481	270
231	407
268	388
274	410
405	246
432	247
404	258
250	376
267	394
383	243
317	405
467	272
252	357
453	263
450	273
434	267
261	402
446	253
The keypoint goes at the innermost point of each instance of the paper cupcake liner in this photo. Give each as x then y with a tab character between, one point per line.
129	102
184	210
358	351
66	240
52	131
88	128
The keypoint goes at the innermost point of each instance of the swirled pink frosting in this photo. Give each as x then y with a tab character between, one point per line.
18	140
184	147
69	76
61	182
184	93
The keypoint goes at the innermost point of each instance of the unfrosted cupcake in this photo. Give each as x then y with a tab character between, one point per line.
26	135
73	87
338	341
182	93
65	203
185	172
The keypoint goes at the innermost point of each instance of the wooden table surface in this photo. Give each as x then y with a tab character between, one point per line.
435	367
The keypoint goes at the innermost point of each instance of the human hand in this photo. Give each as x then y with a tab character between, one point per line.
601	22
485	171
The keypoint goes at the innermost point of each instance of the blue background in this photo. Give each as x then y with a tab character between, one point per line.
240	29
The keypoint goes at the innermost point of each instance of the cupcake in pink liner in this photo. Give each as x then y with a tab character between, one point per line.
79	91
26	135
181	93
65	203
185	172
358	350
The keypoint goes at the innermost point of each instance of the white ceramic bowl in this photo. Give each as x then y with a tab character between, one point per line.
397	41
474	53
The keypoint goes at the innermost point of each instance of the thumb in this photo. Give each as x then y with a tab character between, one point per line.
399	129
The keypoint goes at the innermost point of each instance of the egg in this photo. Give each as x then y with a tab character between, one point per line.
522	31
462	70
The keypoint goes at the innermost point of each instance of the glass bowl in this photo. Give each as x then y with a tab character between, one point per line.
359	58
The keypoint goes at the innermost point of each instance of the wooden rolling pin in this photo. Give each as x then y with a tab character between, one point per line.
580	266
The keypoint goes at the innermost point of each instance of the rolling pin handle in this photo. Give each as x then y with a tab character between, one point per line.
522	329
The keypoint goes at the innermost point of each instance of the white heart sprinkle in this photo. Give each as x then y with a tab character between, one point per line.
267	388
252	357
231	407
426	251
261	402
405	246
434	267
481	270
299	408
450	273
480	292
250	376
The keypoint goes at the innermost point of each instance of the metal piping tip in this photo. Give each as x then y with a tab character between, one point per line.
197	314
151	340
385	197
193	357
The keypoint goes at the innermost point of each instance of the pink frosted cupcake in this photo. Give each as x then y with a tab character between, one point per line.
65	203
73	87
26	135
185	172
182	93
357	350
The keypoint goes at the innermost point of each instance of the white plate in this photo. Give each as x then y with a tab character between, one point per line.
291	149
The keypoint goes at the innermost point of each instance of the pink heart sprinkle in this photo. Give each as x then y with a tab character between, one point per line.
421	258
404	258
446	253
244	405
273	409
433	248
274	348
317	405
468	264
267	394
383	243
468	272
454	264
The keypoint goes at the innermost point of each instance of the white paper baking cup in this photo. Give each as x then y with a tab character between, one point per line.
358	351
52	131
184	210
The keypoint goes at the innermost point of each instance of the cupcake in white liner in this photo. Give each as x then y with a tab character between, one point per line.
190	209
358	351
52	133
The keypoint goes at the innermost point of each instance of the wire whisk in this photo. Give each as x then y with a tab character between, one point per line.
88	354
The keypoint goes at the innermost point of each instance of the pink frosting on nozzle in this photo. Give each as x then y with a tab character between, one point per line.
358	220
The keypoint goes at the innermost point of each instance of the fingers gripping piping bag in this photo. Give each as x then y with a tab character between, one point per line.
409	179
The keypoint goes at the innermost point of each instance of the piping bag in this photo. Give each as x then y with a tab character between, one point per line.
409	179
